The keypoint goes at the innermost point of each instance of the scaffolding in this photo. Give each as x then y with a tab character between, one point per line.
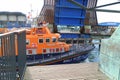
47	12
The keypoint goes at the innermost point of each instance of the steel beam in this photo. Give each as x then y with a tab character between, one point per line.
78	4
95	9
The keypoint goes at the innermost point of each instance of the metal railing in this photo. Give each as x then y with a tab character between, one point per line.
21	58
47	12
10	56
7	58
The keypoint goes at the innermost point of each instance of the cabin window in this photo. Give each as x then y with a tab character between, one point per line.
53	39
47	40
40	40
27	42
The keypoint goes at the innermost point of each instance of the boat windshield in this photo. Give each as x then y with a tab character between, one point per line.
47	40
53	39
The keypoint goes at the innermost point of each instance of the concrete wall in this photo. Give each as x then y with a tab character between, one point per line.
110	56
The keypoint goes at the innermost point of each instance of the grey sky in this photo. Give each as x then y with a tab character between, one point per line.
108	17
24	6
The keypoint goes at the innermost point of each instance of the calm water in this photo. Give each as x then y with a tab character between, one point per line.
94	54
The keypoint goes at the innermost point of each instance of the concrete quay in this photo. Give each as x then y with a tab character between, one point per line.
79	71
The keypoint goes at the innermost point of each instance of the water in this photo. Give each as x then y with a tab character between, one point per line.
94	54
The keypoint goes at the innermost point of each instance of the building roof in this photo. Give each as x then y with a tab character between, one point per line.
109	24
12	13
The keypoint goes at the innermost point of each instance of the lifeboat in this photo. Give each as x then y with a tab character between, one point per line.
44	47
41	42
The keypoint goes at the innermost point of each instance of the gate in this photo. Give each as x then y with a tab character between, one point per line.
7	58
10	61
21	47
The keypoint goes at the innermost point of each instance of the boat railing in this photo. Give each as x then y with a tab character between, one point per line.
12	65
